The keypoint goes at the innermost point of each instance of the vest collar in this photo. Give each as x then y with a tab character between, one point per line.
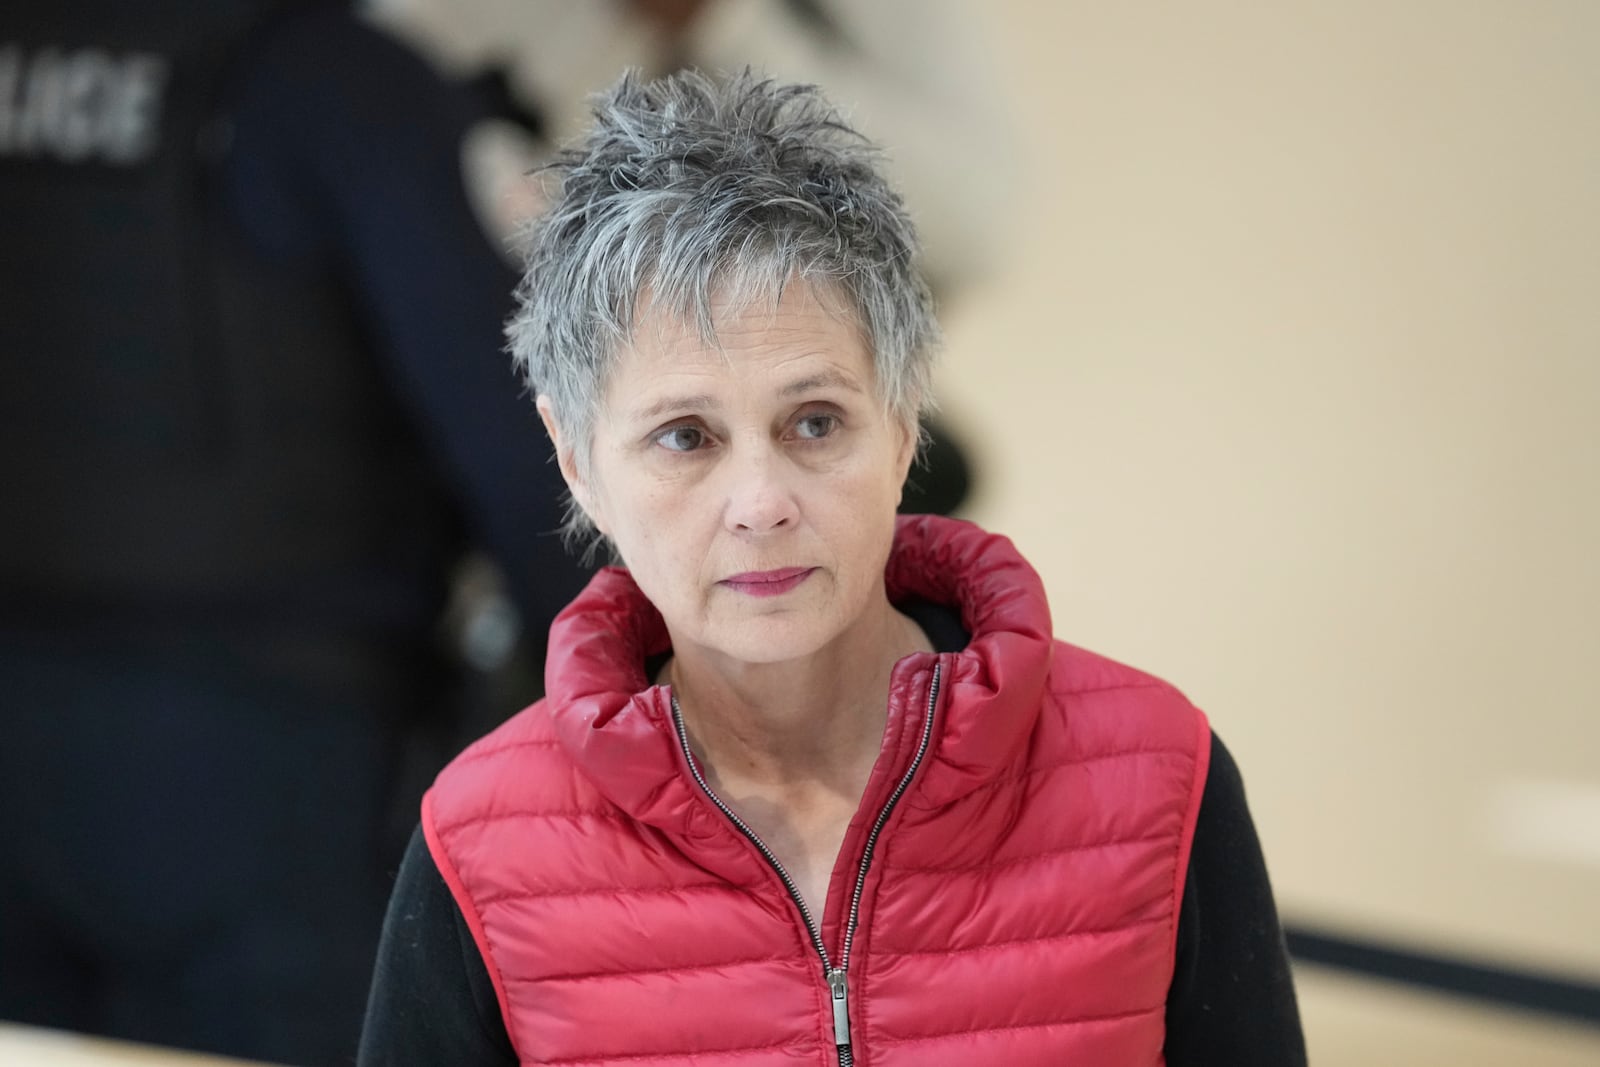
616	725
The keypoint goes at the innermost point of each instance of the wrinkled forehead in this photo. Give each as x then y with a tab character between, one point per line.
732	320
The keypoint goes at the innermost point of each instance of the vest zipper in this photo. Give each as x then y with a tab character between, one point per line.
836	977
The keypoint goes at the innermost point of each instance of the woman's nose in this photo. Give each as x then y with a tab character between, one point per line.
759	495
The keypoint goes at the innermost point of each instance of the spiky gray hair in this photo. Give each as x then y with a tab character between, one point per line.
692	188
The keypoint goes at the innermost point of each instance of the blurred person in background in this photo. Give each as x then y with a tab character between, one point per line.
913	75
916	76
811	783
254	415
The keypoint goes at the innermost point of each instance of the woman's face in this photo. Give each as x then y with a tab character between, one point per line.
750	490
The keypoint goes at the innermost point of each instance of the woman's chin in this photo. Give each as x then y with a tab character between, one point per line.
772	639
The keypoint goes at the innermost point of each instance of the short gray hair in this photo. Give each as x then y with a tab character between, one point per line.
693	187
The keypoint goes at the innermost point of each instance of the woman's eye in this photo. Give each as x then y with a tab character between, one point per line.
681	438
813	427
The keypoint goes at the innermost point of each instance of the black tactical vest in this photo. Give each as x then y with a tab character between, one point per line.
183	426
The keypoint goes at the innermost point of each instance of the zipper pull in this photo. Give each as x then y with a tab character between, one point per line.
841	1014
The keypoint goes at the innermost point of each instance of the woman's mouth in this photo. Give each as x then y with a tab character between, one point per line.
768	583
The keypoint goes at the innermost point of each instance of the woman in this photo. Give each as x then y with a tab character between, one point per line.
811	784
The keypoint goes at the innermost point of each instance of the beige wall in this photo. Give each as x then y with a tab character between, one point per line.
1292	397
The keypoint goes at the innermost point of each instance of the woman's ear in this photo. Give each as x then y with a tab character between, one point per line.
911	437
567	461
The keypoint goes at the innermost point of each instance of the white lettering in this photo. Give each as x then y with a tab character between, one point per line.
80	106
134	119
10	84
38	113
84	84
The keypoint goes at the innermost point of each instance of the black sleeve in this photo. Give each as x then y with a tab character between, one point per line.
347	150
1232	1001
432	1001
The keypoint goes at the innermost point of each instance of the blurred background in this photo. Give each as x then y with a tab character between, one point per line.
1273	344
1289	389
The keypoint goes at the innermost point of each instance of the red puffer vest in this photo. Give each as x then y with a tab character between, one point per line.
1008	892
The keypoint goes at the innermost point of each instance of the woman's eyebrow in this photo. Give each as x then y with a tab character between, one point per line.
696	402
705	401
826	379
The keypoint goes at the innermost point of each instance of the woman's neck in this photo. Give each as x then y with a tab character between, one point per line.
817	721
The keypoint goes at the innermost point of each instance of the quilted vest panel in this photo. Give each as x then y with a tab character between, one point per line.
1031	920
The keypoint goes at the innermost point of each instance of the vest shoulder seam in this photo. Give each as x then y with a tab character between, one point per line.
570	815
477	755
1076	761
1112	687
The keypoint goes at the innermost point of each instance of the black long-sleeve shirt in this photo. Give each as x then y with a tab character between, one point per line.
1231	1004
